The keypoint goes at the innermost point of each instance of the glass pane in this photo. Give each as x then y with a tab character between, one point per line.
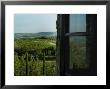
77	23
78	55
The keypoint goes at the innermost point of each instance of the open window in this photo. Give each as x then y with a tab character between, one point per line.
77	44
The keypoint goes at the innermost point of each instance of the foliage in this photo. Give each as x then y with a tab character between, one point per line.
29	55
78	55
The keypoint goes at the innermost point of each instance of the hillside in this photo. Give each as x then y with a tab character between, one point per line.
32	35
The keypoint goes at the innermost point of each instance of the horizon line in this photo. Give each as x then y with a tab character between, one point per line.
29	32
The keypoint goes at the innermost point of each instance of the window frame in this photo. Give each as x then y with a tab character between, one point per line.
64	49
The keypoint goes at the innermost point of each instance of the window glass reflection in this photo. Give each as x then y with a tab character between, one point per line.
77	23
78	54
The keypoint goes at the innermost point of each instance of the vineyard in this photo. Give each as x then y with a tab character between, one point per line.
35	56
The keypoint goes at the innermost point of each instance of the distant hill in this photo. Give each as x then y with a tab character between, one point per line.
46	34
32	35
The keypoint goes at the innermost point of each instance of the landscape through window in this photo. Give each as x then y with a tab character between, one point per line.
78	54
35	44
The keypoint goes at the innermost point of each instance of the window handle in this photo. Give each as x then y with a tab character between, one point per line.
76	34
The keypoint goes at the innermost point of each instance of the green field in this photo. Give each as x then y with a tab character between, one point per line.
35	56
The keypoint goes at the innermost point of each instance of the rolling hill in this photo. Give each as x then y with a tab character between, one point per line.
32	35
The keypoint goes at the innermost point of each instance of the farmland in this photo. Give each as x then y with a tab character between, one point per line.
35	55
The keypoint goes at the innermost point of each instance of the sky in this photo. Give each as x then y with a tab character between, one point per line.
34	23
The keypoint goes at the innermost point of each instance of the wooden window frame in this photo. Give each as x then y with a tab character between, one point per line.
64	45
